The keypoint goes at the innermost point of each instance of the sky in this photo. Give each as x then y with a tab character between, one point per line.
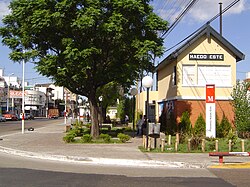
236	29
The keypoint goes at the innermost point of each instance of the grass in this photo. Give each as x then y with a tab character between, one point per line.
209	147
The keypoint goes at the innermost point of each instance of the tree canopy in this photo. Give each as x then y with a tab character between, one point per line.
84	45
241	104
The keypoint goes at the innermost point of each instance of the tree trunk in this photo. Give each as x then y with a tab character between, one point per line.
94	117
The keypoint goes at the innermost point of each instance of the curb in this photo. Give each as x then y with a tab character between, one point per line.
103	161
244	165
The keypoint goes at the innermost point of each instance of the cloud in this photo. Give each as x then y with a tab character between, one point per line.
4	10
204	10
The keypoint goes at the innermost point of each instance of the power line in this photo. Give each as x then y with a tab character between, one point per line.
212	19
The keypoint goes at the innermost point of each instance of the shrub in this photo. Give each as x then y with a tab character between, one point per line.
105	137
87	138
223	129
200	126
195	142
70	137
185	125
123	137
232	136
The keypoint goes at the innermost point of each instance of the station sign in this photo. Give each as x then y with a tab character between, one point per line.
217	57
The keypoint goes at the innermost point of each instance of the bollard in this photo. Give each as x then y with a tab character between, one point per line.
217	145
162	144
176	146
203	145
169	140
177	137
149	143
189	145
230	145
243	145
144	141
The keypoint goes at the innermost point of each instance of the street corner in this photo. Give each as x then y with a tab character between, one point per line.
243	165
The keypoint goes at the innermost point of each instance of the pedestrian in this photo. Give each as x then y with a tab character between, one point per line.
126	119
139	126
144	126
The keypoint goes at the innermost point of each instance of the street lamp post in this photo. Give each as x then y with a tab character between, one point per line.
147	82
100	99
133	92
23	111
8	95
79	107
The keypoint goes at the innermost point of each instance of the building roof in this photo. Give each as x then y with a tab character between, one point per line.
208	30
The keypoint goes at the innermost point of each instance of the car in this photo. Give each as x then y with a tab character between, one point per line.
10	116
2	118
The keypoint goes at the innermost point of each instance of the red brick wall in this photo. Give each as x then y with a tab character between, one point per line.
196	107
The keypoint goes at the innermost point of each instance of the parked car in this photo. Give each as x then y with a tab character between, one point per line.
2	118
10	116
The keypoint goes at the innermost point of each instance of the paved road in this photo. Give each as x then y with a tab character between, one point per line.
18	171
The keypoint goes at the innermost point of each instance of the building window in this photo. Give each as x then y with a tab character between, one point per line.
218	75
188	75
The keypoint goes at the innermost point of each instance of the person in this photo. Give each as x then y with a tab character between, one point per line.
126	119
139	126
144	126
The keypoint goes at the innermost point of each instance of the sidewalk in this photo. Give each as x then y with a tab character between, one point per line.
47	143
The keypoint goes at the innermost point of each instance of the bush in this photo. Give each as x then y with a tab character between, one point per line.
185	125
86	138
105	137
223	129
123	137
195	142
200	126
70	137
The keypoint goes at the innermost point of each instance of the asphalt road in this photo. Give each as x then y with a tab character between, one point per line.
18	172
15	126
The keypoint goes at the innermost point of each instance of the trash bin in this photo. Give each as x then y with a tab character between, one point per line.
154	130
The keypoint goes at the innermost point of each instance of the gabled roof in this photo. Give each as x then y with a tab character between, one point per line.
208	30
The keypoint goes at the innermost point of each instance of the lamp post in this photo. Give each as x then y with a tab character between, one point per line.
147	82
79	105
100	99
23	111
133	92
8	96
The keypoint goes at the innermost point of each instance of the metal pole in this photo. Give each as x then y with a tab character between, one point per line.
8	96
65	106
23	112
147	110
133	121
220	18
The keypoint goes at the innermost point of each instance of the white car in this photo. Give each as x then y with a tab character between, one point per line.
2	118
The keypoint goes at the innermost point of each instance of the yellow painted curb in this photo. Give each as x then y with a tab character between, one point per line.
245	165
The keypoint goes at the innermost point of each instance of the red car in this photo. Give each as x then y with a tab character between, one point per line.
12	117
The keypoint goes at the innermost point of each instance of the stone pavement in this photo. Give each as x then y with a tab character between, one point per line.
47	143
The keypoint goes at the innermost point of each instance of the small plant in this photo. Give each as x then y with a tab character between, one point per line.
70	137
86	138
223	129
105	137
200	126
232	136
123	137
185	125
195	142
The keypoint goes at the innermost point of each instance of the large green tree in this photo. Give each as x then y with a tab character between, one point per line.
241	104
85	44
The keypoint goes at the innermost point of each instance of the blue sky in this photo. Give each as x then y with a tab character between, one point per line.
236	29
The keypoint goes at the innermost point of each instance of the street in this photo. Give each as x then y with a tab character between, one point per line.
24	171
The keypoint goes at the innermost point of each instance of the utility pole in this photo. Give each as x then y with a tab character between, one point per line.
220	18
